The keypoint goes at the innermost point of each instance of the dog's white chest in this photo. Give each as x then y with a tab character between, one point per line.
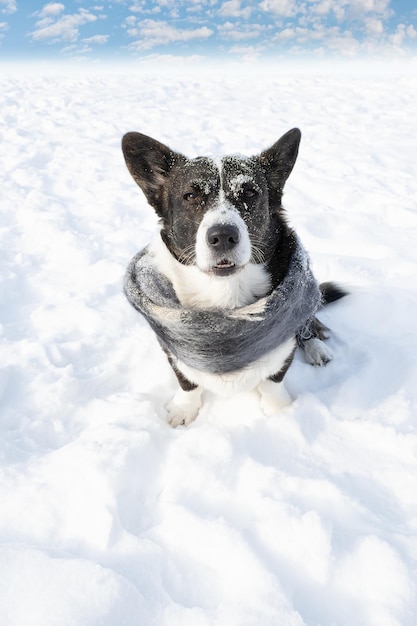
197	290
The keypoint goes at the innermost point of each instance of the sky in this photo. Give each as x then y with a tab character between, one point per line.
239	29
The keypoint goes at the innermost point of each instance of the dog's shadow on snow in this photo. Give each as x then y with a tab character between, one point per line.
371	348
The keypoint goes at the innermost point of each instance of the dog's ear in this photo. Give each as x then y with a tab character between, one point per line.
279	160
149	163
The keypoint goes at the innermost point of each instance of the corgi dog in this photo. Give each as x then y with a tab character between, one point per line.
226	284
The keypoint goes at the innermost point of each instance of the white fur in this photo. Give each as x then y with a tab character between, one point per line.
240	380
316	352
201	290
224	213
184	407
274	397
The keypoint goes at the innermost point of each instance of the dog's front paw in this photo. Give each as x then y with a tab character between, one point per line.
316	352
179	417
184	407
274	397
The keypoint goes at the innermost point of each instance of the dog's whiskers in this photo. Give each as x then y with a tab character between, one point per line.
257	254
188	255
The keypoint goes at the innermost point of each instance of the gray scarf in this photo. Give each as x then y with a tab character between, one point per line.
220	341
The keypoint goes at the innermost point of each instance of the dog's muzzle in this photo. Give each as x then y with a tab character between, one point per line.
222	244
221	240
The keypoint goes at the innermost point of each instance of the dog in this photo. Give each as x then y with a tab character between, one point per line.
226	284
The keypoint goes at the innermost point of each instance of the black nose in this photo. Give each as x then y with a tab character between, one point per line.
222	237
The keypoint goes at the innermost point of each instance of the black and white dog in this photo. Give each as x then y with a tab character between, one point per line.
226	284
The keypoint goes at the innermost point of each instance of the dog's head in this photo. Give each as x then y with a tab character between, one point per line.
216	216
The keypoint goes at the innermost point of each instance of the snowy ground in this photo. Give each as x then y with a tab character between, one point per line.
108	516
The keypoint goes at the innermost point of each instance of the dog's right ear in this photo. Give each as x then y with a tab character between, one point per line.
149	163
279	160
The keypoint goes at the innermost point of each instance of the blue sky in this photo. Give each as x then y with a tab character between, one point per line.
240	29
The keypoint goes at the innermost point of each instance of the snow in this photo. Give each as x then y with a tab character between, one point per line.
109	516
236	184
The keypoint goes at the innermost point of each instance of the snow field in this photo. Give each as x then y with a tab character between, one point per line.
110	517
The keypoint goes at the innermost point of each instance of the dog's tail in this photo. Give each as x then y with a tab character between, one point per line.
330	292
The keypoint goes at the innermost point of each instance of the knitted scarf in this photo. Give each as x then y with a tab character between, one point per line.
217	340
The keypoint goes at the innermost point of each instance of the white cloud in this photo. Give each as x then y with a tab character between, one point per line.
10	6
324	7
318	39
66	28
230	32
3	26
348	9
51	9
287	34
402	32
301	35
347	27
130	21
324	39
233	8
247	53
360	7
137	7
339	9
283	8
98	39
411	32
345	44
374	27
76	50
153	33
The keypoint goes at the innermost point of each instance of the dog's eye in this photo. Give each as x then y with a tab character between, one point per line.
190	197
249	192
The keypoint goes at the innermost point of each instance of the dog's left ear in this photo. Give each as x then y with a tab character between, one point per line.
149	163
279	160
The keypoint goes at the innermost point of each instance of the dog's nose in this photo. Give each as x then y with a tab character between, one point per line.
222	237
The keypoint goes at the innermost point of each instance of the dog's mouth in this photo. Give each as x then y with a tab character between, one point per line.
225	267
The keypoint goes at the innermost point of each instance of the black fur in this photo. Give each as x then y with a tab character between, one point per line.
330	292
